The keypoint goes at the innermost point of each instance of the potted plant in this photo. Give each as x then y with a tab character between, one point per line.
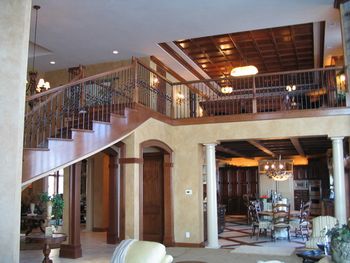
57	208
46	200
54	206
340	243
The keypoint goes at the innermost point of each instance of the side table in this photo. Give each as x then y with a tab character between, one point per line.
46	240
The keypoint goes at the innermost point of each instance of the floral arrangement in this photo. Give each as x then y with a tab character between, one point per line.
264	197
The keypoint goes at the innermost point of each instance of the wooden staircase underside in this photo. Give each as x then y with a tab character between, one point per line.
38	163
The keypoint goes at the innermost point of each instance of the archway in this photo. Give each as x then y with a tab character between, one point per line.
157	156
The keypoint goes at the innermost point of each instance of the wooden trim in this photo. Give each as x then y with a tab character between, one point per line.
130	160
183	62
178	244
168	238
263	116
99	229
122	151
337	3
177	76
153	71
113	200
169	164
73	248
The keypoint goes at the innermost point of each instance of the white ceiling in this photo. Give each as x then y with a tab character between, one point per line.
86	31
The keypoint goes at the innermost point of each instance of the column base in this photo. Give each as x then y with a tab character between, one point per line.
213	246
112	238
70	251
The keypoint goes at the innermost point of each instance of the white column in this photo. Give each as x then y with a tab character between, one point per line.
14	39
212	210
339	179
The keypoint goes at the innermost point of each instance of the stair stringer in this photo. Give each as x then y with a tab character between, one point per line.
62	153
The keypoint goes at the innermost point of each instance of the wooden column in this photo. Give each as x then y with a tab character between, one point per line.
113	229
168	204
73	248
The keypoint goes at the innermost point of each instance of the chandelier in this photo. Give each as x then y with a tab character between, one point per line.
278	170
42	85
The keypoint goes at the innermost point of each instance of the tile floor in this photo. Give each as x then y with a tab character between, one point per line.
236	233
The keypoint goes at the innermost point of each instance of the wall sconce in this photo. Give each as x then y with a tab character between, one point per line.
180	98
290	88
341	81
155	80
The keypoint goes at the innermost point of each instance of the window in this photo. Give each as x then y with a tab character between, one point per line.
55	183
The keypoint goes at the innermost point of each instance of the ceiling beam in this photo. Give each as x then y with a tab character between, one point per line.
258	50
184	63
207	56
177	76
261	147
221	148
297	146
276	48
294	46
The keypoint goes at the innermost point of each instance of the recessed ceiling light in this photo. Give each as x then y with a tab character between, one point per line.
52	62
115	52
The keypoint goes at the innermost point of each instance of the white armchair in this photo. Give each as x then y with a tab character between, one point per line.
134	251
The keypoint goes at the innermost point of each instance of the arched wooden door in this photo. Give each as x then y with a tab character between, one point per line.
156	205
153	197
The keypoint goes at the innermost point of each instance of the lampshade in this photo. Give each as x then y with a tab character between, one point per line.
244	71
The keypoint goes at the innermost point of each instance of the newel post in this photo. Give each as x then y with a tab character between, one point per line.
136	93
255	110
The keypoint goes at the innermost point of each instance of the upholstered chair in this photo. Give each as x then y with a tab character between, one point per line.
135	251
319	225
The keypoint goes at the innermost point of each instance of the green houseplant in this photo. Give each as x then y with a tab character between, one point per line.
340	243
54	204
57	207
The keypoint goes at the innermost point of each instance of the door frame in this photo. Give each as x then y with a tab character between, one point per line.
168	239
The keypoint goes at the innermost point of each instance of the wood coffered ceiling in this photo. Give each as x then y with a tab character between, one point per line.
270	50
307	147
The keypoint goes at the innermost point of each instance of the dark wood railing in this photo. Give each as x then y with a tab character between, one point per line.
53	114
284	91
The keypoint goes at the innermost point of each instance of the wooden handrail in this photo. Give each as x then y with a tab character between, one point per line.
153	71
80	81
262	75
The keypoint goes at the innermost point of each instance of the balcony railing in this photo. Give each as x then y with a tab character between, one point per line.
53	114
285	91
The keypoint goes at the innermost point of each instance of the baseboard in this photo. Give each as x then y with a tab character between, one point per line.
177	244
99	229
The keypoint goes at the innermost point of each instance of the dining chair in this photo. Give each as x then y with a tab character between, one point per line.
280	220
301	224
257	222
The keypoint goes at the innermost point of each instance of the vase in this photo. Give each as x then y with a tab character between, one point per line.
340	251
32	208
49	210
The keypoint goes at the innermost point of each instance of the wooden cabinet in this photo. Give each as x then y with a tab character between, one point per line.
234	182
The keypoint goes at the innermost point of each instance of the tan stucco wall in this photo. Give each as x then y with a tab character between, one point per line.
60	77
186	143
14	39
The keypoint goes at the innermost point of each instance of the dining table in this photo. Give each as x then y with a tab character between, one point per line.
293	213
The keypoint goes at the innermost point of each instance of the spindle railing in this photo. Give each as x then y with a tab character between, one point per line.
54	113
